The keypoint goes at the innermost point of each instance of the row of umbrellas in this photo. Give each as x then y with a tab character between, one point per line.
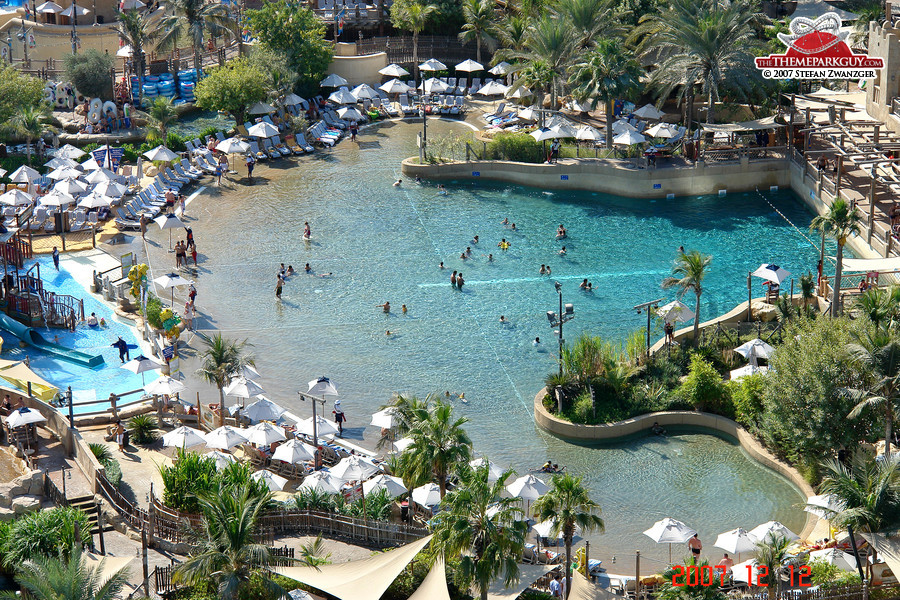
672	531
395	70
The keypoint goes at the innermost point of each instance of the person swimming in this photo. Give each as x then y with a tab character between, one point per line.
468	250
543	270
386	306
442	190
490	258
505	222
418	179
307	232
398	182
307	268
441	266
503	245
403	308
93	321
475	240
562	251
290	270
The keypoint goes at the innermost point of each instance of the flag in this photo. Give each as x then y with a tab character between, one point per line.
340	20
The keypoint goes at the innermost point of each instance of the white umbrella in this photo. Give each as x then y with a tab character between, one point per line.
395	86
242	387
621	126
501	68
232	145
427	495
755	349
131	4
274	482
61	173
675	311
16	197
94	200
350	113
520	92
263	434
544	133
736	541
69	186
60	162
364	90
224	437
24	174
746	371
261	108
402	444
544	529
392	485
580	107
89	165
669	531
49	8
333	80
101	175
662	130
528	488
586	132
292	99
24	416
835	556
354	468
342	97
141	364
165	386
384	418
169	222
745	571
248	371
294	452
56	198
432	64
433	86
563	130
629	138
263	130
125	52
773	528
493	88
323	427
648	111
183	437
528	114
394	70
263	410
469	65
494	472
823	506
322	386
772	273
170	281
160	153
221	459
322	481
78	10
112	189
68	150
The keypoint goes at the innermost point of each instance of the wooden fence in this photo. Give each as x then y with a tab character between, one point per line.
447	49
162	575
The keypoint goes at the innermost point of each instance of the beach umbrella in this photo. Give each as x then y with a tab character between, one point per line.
354	468
322	386
823	506
563	130
746	371
835	556
772	273
232	146
291	99
222	459
392	485
242	387
183	437
363	91
294	452
131	4
169	222
648	111
263	410
544	133
528	488
323	427
402	444
125	52
160	153
755	349
674	312
56	198
629	138
394	70
77	10
501	68
432	64
224	437
528	114
745	571
384	418
141	364
669	531
520	92
24	174
57	163
48	8
165	386
333	80
342	97
586	132
70	187
89	165
61	173
350	113
736	541
494	472
621	126
662	130
263	434
248	371
433	86
263	130
24	416
170	281
101	175
16	197
2	172
395	86
274	482
427	495
67	151
111	189
469	65
545	528
492	89
261	108
94	200
322	481
773	528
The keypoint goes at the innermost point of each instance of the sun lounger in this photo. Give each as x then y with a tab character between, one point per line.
180	170
405	107
269	149
281	146
173	176
220	136
292	145
259	154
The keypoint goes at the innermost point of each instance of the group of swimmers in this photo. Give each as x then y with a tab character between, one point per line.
285	272
586	285
456	280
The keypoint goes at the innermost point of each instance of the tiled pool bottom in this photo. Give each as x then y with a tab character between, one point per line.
87	384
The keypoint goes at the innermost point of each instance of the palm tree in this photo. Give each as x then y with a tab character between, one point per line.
510	30
549	43
136	30
569	505
879	305
590	19
688	273
606	72
877	353
866	11
807	289
192	19
409	411
439	444
479	25
482	528
771	553
222	358
61	578
839	223
162	116
702	42
30	122
412	15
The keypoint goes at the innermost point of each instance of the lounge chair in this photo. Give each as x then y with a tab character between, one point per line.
173	176
405	107
220	136
292	145
269	149
281	146
259	154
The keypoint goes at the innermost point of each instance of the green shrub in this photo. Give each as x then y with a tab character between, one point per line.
175	141
91	73
100	451
154	309
704	389
411	578
113	471
583	408
143	428
211	130
516	147
192	474
747	397
44	533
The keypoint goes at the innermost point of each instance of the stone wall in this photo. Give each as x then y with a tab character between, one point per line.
23	494
358	69
885	43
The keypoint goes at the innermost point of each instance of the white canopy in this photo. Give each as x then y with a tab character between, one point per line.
160	153
384	418
165	385
662	130
433	86
333	80
761	532
675	311
261	108
242	387
629	138
24	416
263	434
765	123
263	130
224	437
736	540
232	145
494	472
492	89
772	272
519	92
501	68
835	556
669	531
869	265
394	70
274	482
586	132
528	574
395	86
528	487
469	65
823	505
544	133
49	8
755	348
432	64
77	10
364	90
58	162
321	481
183	437
16	197
294	451
263	410
354	468
24	174
349	112
746	371
221	459
427	495
323	426
402	444
392	485
434	586
291	99
648	111
342	96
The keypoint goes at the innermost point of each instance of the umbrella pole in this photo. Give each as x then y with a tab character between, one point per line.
670	553
170	240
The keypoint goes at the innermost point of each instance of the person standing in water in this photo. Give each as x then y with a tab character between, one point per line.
453	279
56	257
279	284
307	232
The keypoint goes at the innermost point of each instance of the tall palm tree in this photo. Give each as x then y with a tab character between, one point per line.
61	578
840	222
481	528
412	16
510	30
162	116
550	43
569	505
771	553
479	24
409	411
877	353
590	19
193	19
606	72
439	444
703	42
221	359
688	273
30	122
136	29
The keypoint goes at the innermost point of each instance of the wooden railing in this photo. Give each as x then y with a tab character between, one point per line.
135	516
162	575
53	492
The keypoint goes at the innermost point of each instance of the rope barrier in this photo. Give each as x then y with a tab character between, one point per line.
789	222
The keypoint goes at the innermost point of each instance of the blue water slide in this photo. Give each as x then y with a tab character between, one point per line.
31	337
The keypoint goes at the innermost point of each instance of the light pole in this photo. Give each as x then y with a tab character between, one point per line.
320	387
424	131
646	306
566	314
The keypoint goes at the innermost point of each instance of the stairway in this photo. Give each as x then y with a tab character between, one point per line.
88	506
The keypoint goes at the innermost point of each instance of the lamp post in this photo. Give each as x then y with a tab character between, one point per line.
321	387
566	314
424	132
647	306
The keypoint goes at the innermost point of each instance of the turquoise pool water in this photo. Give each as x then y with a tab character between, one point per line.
194	122
385	243
87	384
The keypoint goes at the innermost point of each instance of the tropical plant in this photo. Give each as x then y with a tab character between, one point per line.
568	505
313	499
877	353
162	116
192	19
100	451
137	30
688	273
17	90
143	428
91	72
703	387
840	222
68	577
606	72
44	534
807	289
189	475
412	16
589	20
482	528
866	11
439	443
232	88
548	49
510	31
313	553
771	553
880	305
220	359
30	122
479	25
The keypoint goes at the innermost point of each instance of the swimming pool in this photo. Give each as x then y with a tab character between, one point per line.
385	243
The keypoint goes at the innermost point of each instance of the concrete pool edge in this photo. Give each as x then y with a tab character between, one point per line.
608	432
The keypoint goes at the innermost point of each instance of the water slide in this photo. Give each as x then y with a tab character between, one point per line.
31	337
